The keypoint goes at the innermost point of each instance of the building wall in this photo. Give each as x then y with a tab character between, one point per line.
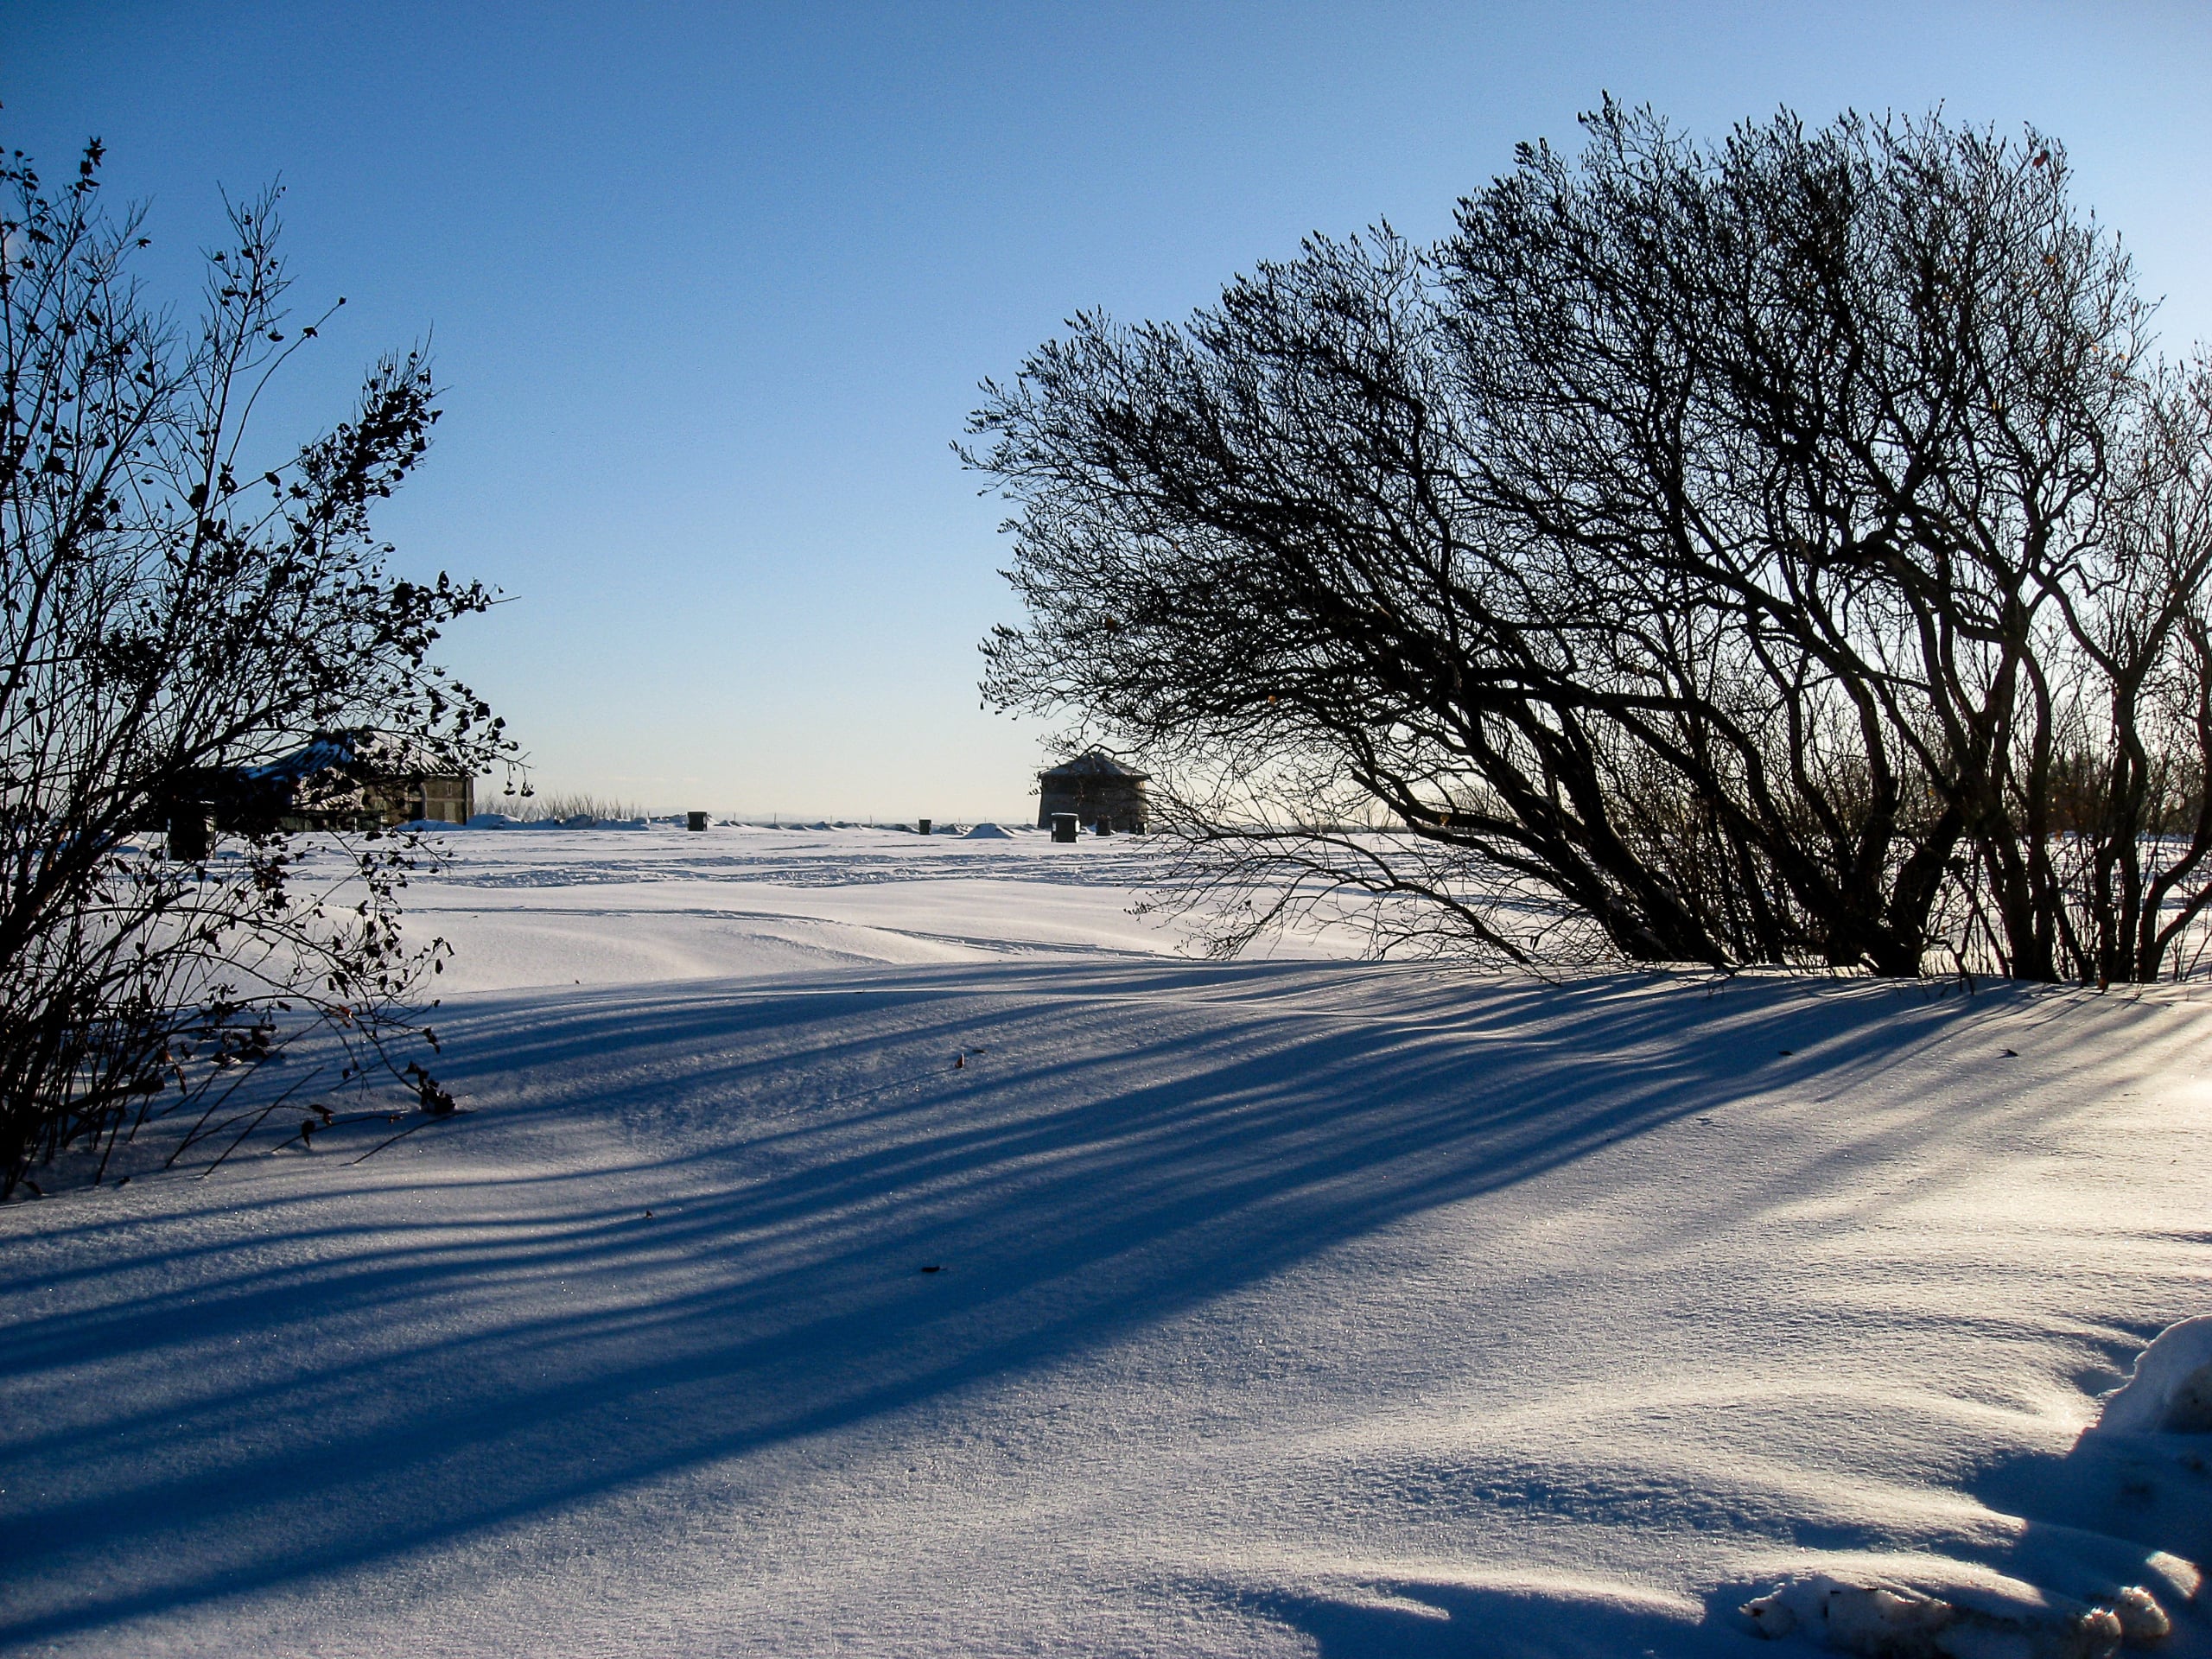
449	799
1120	802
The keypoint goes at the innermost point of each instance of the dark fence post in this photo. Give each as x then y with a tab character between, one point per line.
1064	826
189	836
925	829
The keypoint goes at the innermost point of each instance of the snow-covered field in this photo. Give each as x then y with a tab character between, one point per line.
860	1244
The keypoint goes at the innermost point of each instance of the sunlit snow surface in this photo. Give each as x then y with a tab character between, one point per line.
1295	1307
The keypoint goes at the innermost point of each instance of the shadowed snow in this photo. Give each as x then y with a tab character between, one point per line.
1056	1295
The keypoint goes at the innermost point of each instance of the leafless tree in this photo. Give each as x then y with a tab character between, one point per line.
1778	552
172	611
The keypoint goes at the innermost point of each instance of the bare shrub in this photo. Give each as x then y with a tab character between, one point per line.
570	806
174	608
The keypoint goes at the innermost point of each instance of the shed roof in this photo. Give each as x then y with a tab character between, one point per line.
385	753
1094	763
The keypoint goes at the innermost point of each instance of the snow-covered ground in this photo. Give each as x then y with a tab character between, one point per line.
531	907
860	1245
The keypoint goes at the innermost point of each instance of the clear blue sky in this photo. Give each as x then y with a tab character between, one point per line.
712	285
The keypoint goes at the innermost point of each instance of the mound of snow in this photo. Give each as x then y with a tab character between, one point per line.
986	832
492	821
2171	1390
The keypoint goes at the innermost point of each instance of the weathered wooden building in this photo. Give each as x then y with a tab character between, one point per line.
1098	789
341	780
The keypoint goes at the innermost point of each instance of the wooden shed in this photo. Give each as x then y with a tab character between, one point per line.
1098	789
341	780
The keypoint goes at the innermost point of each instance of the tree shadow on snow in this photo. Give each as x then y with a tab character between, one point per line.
292	1377
2116	1509
1453	1621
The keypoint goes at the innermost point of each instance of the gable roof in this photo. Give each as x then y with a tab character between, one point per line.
1092	763
361	751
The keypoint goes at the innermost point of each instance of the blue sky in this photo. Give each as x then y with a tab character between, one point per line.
712	286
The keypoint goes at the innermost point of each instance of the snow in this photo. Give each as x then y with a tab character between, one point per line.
619	907
867	1243
1886	1622
2170	1391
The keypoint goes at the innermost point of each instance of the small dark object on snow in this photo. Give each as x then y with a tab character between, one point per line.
307	1131
694	821
187	832
959	1061
649	1214
432	1098
124	1182
1065	826
924	824
934	1267
2012	1053
1787	1052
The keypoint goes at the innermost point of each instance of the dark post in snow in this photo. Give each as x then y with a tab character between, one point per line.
1105	827
1064	826
924	828
694	821
189	837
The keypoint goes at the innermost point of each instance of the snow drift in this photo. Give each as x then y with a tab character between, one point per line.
2170	1392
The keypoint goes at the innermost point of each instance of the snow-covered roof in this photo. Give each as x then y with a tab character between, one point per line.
384	752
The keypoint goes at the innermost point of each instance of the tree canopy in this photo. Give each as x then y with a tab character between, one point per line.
1783	551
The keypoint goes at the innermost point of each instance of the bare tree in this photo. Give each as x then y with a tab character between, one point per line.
172	611
1738	548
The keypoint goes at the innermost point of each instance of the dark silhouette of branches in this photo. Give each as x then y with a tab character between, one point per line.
171	611
1780	551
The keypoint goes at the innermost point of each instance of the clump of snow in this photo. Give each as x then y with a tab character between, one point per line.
2171	1390
492	821
1883	1621
986	832
2141	1619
